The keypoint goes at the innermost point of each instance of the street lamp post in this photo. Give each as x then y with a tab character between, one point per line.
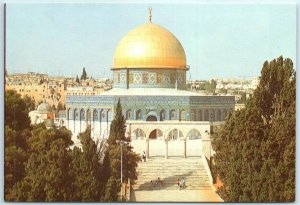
121	142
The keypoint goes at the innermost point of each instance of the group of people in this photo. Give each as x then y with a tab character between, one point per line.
181	183
157	183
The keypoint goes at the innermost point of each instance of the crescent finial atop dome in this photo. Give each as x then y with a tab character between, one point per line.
150	14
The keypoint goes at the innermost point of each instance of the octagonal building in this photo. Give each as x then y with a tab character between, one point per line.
149	76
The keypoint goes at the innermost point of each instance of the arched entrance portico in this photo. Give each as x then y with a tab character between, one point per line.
151	118
175	134
194	143
157	133
181	139
138	134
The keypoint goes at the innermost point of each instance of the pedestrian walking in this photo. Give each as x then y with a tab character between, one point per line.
178	182
144	156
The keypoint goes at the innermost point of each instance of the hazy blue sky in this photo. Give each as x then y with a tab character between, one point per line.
219	40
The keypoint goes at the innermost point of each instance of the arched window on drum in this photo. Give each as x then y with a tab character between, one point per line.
172	115
138	114
162	115
182	115
128	115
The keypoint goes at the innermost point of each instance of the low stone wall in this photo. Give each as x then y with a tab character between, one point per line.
207	168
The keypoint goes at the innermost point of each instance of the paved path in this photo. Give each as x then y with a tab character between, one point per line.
175	196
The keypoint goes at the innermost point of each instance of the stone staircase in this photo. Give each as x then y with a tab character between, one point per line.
169	170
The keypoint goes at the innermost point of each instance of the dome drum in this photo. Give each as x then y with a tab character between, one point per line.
149	78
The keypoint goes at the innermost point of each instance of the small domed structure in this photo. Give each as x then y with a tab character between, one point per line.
44	108
41	114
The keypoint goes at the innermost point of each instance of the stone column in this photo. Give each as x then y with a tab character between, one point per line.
166	153
184	149
147	147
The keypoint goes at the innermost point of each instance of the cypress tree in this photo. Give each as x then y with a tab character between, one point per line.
83	75
112	162
86	170
77	79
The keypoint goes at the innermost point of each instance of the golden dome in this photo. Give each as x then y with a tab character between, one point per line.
149	46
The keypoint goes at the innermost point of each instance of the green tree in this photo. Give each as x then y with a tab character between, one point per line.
255	150
17	130
14	158
77	79
30	104
47	175
16	111
60	106
243	98
86	170
83	75
112	161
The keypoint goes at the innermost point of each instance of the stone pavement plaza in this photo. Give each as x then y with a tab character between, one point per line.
175	196
199	186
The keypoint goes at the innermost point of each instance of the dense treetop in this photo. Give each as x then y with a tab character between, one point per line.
255	150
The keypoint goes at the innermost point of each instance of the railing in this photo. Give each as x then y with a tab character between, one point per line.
207	168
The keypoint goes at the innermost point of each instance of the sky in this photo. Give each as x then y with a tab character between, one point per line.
220	40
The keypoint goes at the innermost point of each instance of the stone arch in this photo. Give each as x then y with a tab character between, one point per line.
224	114
82	114
88	116
193	115
193	134
108	115
175	134
128	114
101	119
200	118
81	119
206	115
138	114
95	115
162	115
138	133
182	115
172	114
76	114
156	133
102	115
212	116
76	117
218	115
69	114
